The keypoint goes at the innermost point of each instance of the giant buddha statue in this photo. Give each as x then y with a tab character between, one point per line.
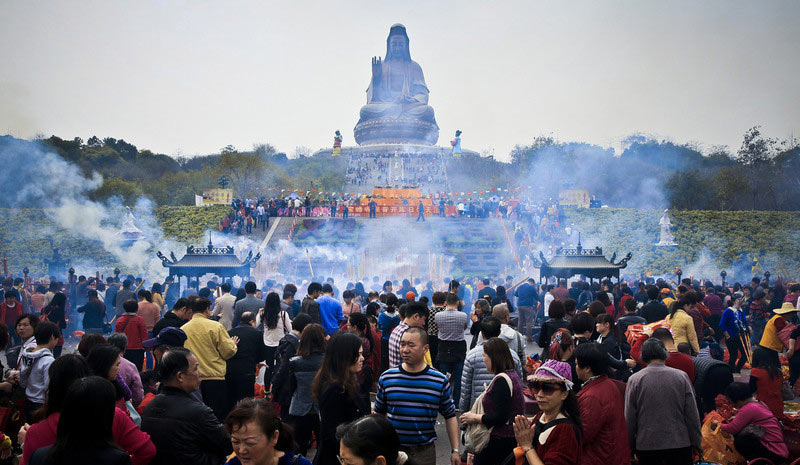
397	110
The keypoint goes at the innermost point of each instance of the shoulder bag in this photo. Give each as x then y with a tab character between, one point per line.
477	435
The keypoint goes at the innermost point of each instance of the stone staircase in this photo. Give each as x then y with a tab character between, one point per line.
399	246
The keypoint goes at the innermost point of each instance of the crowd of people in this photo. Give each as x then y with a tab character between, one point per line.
417	169
276	373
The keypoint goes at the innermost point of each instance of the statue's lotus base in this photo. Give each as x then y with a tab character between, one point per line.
396	131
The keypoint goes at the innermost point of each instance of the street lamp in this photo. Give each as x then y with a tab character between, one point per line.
722	274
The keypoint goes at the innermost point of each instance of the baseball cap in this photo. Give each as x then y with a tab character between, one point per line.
169	336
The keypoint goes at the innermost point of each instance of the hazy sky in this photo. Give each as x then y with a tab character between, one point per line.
189	77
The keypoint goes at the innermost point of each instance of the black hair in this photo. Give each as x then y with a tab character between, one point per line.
391	302
652	292
180	303
685	348
126	283
369	437
247	318
5	337
63	372
360	322
762	358
261	412
312	340
130	306
592	355
272	308
327	288
86	419
602	297
90	340
372	309
340	354
451	299
490	327
250	287
200	305
174	361
225	287
662	334
569	306
581	323
101	358
45	331
556	309
301	321
497	350
145	294
423	335
416	308
613	328
630	305
314	287
738	392
653	349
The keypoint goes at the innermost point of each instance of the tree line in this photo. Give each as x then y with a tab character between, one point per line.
763	174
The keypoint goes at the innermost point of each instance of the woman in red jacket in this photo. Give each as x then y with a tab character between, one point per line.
63	372
134	328
554	435
766	381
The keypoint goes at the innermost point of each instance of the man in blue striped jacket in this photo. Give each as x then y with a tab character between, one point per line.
412	395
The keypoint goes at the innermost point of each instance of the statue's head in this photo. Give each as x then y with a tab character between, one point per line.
397	44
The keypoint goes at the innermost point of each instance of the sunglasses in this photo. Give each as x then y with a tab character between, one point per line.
546	387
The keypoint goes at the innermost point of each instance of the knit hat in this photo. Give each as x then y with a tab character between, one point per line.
553	370
410	296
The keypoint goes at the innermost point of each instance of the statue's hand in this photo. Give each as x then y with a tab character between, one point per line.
376	66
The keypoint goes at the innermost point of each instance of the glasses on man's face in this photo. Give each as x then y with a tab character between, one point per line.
547	387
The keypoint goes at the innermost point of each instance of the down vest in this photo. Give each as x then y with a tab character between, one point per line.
475	377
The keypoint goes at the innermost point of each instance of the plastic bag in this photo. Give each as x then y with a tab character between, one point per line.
717	447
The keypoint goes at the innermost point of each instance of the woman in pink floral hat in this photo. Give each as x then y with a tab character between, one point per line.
553	436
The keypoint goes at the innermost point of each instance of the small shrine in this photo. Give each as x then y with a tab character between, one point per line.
220	261
579	261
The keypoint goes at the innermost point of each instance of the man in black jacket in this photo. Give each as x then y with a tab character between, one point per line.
240	373
180	314
653	310
310	305
183	429
630	317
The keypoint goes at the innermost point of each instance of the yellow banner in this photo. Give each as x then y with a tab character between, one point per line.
217	196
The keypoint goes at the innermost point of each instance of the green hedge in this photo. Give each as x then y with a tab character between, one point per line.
721	240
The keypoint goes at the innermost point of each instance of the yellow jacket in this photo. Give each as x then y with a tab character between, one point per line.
210	343
770	338
682	327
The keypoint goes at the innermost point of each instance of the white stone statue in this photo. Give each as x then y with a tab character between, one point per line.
666	239
129	232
